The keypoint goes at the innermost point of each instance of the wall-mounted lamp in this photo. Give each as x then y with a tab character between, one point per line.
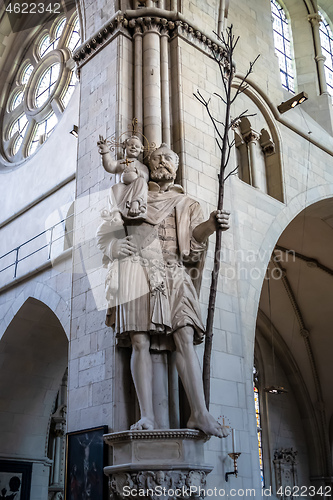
75	131
293	102
234	456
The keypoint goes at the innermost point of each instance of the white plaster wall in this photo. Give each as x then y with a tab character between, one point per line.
54	162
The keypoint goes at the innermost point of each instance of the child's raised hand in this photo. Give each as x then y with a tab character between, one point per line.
102	145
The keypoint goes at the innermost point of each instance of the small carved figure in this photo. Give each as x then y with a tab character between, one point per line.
130	194
156	306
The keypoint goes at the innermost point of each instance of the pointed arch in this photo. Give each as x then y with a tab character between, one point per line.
46	295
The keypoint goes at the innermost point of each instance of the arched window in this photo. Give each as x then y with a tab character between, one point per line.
326	38
41	89
258	419
283	46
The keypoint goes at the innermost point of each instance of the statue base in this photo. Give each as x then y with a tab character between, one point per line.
157	464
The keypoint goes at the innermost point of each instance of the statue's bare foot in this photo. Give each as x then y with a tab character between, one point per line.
144	423
134	209
206	423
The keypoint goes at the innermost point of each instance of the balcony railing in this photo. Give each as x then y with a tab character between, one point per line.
41	248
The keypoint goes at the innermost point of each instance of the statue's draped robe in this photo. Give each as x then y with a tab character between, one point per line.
153	290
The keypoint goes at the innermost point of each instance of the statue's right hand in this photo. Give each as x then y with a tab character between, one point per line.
103	145
123	248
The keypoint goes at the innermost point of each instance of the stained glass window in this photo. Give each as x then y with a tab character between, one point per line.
326	38
18	98
26	73
38	83
46	45
70	89
42	132
282	43
75	36
46	84
259	430
19	126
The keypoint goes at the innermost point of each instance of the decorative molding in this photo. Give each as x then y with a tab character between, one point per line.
135	25
287	455
148	483
155	434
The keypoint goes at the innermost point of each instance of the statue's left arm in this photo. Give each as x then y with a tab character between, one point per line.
218	218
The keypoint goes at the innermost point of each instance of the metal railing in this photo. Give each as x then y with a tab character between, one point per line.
49	236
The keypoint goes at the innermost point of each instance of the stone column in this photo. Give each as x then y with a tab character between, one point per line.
138	113
57	454
152	115
166	135
251	138
315	19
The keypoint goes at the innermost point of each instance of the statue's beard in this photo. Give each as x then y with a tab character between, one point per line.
162	174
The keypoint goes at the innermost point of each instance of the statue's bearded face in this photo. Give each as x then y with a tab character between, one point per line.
163	164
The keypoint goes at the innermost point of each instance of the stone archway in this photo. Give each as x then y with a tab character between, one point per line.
33	359
293	330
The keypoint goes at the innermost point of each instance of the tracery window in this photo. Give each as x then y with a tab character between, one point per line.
326	39
41	88
258	419
283	46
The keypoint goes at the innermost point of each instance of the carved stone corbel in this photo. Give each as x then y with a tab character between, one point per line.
266	143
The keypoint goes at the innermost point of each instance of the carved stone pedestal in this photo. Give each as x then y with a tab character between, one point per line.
164	464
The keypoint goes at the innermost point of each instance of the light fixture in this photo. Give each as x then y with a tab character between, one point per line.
274	389
293	102
234	457
75	131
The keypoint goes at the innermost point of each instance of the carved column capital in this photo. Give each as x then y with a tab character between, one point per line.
314	19
164	27
251	136
137	28
321	57
151	24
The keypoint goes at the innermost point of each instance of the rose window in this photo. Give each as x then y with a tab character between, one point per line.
41	89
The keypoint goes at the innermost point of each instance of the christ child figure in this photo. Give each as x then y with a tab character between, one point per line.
129	195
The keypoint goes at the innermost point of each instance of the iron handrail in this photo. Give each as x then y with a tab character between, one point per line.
47	245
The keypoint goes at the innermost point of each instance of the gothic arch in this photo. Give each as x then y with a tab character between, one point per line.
296	303
282	220
44	294
268	138
34	356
